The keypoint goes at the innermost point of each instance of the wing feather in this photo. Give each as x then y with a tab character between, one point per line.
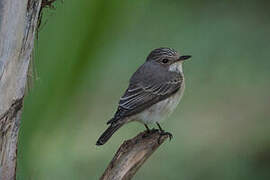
145	92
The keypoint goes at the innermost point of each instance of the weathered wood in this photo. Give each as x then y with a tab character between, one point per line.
132	154
18	23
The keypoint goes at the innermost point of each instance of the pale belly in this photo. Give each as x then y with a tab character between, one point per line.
161	110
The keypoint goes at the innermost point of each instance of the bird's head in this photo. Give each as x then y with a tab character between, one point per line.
167	57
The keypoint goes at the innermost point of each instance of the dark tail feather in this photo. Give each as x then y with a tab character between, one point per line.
108	133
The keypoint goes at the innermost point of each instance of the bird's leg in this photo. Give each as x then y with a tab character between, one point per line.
147	128
163	133
147	131
159	127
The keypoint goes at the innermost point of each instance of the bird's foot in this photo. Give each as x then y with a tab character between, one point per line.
163	133
149	132
154	130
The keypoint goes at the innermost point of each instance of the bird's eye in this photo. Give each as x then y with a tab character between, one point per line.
165	61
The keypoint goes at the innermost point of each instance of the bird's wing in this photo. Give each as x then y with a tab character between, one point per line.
143	94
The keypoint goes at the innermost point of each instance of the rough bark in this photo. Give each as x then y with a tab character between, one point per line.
18	23
132	154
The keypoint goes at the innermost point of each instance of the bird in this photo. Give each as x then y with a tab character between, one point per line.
154	91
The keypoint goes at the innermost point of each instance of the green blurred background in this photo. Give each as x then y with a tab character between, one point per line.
88	49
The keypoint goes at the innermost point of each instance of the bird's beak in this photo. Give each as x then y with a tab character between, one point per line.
183	58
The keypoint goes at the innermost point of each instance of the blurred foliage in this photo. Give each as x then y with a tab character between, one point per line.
88	49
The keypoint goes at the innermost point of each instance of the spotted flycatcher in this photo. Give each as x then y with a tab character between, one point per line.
153	93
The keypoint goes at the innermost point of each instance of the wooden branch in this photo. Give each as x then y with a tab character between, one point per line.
132	154
18	23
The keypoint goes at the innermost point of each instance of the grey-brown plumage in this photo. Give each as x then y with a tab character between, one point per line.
154	91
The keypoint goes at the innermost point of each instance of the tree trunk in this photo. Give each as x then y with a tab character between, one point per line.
18	23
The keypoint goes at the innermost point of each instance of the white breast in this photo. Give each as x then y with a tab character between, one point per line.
161	110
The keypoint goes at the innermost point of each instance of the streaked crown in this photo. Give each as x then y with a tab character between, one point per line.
158	53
